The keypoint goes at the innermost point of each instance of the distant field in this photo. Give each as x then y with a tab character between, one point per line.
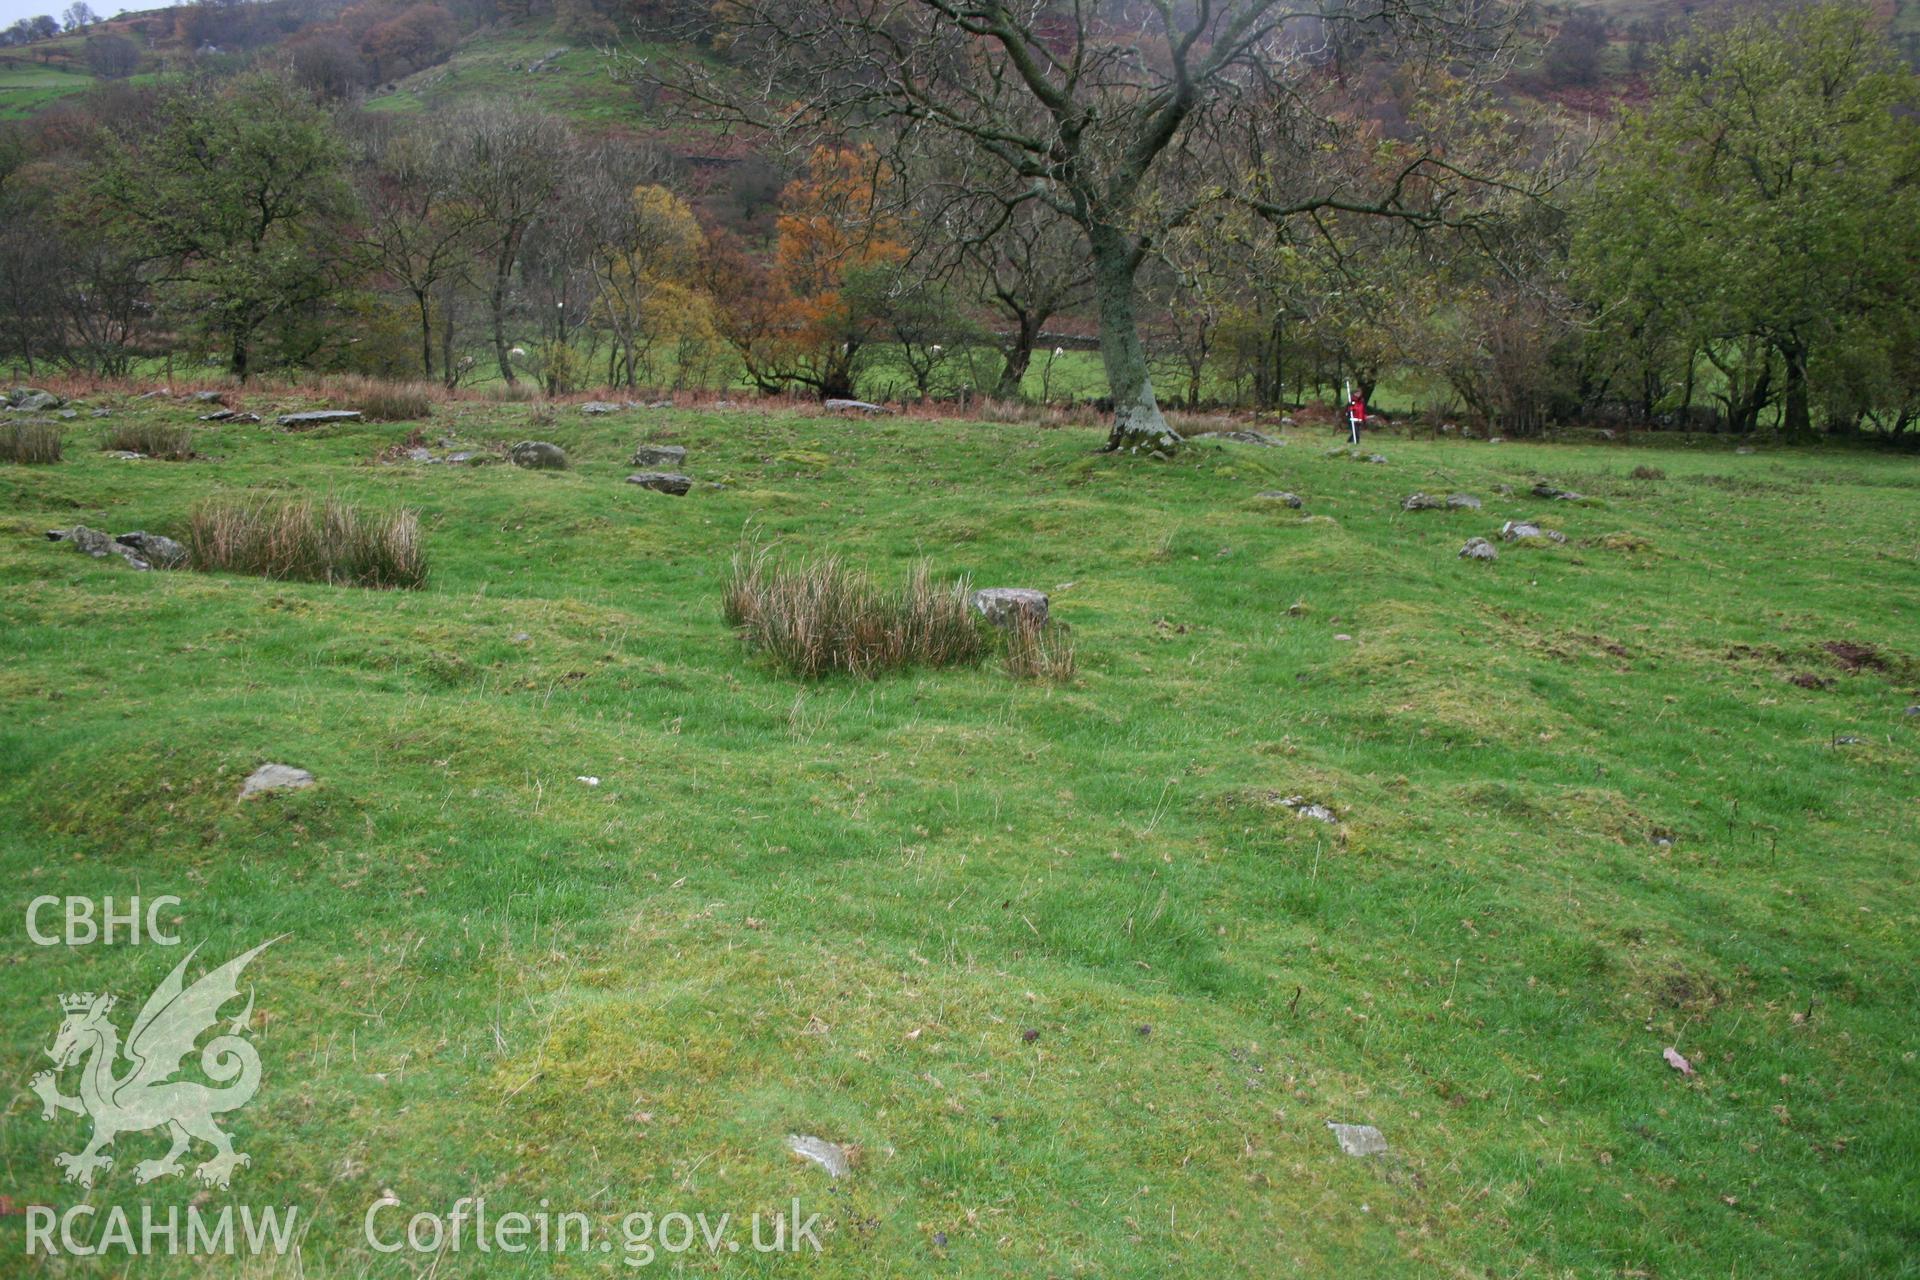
591	909
26	87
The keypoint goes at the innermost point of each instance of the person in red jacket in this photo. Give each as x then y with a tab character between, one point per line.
1356	414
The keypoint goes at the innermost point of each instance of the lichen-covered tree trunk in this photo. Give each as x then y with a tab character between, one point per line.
1138	425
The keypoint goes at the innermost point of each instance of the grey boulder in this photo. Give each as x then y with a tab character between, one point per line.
1419	502
274	777
1279	495
538	455
33	400
318	417
156	549
599	407
97	544
662	482
1462	502
660	455
1478	549
857	406
1001	605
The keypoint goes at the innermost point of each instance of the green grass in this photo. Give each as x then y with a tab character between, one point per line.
580	84
1054	956
26	87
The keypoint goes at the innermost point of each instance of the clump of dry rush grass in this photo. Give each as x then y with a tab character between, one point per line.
29	442
1037	650
819	617
325	542
154	439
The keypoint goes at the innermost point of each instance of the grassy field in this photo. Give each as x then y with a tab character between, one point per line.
1055	958
26	87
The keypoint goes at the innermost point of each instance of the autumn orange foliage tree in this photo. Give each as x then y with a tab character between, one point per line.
797	322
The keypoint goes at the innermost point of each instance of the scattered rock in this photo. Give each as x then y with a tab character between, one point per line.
1241	437
858	406
274	777
1419	502
1914	710
1542	489
317	418
662	482
836	1159
1462	502
103	413
207	397
33	400
1479	549
538	455
1281	496
1359	1139
660	455
1305	808
598	407
1514	530
244	417
1000	605
218	415
99	545
158	550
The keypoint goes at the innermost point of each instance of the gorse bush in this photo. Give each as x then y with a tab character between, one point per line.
154	439
29	442
325	542
820	617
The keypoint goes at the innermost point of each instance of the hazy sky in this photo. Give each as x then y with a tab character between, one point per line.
11	11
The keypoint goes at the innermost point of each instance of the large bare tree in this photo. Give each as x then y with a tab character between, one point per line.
1124	117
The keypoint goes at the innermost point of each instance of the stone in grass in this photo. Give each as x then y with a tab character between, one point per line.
1521	530
1305	808
96	544
1462	502
662	482
538	455
599	407
156	549
1281	496
858	406
660	455
836	1159
1478	549
33	400
1914	710
274	777
1419	502
1001	605
1359	1139
318	417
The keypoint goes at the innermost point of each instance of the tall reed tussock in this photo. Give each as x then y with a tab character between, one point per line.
324	542
1036	650
819	617
154	439
29	442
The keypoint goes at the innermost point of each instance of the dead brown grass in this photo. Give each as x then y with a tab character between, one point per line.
301	540
154	439
819	617
29	442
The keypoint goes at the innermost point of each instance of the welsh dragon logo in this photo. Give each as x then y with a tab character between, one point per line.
146	1095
